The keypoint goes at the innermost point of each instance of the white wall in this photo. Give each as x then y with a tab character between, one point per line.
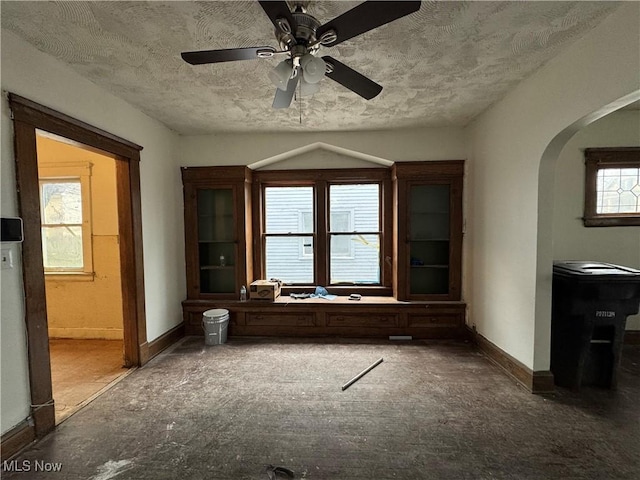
510	209
402	145
31	74
571	240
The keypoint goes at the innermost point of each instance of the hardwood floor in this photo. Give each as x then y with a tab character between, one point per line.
431	410
80	369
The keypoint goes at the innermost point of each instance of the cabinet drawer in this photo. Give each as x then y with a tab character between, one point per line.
276	319
435	320
362	320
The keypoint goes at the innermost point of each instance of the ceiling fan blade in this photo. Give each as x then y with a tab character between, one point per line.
365	17
227	55
283	97
354	81
276	10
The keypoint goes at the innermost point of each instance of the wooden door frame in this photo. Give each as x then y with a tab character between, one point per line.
28	117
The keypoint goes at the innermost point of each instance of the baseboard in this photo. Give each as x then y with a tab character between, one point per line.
632	337
16	439
84	333
166	340
535	382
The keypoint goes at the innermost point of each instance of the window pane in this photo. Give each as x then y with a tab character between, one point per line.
355	208
362	266
62	247
285	259
215	215
307	226
341	244
429	214
618	190
61	202
283	207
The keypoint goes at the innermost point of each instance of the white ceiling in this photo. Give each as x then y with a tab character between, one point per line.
440	66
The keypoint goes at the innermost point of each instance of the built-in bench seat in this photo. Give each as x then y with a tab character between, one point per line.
368	317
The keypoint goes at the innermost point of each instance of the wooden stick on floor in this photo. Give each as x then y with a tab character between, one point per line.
360	375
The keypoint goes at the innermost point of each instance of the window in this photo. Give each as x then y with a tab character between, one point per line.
612	189
65	217
289	234
320	228
354	233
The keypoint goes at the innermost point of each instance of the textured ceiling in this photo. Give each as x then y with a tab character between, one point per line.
440	66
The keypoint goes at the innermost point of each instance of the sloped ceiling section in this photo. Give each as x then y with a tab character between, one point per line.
440	66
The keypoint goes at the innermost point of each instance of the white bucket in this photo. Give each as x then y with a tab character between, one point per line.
215	324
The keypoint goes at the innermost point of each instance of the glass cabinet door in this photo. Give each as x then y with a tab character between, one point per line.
429	239
216	240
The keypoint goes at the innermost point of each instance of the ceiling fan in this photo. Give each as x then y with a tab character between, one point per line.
300	37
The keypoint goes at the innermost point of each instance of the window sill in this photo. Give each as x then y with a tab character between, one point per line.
69	276
609	221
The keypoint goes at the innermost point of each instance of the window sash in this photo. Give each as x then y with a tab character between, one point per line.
321	238
72	172
598	160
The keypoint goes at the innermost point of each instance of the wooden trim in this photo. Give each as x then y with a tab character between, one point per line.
596	158
632	337
16	439
331	174
131	268
53	121
135	276
29	116
144	353
33	277
207	175
166	340
535	382
320	247
438	168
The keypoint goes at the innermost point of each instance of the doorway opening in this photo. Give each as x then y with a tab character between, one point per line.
29	118
80	237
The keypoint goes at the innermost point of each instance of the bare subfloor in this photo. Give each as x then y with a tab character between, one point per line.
80	369
432	410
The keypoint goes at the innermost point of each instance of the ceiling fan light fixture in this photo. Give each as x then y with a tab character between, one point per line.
307	89
281	74
313	68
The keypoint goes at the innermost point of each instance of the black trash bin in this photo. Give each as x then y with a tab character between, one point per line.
591	303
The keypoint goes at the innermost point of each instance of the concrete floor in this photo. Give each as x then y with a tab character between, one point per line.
431	410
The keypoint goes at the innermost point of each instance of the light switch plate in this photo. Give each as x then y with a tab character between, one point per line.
6	259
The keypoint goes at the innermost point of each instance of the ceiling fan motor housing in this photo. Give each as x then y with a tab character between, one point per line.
304	33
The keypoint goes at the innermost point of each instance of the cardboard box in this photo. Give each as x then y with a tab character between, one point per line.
264	290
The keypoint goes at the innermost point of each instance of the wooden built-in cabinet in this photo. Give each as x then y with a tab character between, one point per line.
374	317
217	213
428	230
425	259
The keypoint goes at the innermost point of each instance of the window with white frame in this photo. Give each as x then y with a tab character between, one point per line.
65	213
